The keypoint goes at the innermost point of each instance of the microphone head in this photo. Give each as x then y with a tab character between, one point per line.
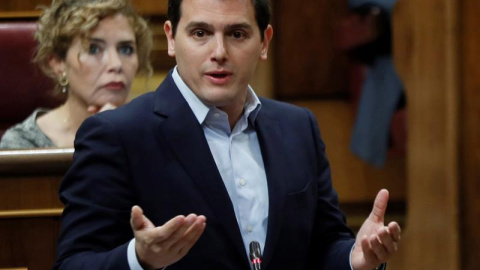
255	251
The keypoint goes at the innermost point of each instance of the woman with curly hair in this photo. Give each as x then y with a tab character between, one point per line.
92	49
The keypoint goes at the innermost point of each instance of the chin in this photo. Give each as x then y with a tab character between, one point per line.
116	100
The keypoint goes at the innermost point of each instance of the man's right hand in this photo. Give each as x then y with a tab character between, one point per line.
157	247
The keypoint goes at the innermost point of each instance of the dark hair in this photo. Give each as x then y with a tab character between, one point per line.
262	14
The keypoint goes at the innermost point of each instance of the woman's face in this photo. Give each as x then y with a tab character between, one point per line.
103	72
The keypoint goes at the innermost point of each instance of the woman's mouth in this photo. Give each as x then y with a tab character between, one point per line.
114	86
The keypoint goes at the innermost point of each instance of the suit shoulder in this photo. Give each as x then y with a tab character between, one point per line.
131	111
283	109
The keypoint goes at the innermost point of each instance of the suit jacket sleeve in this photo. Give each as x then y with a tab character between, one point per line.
98	197
332	240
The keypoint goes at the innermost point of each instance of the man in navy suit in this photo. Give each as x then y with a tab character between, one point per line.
187	176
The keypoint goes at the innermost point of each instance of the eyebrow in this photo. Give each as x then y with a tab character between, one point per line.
228	27
99	40
244	26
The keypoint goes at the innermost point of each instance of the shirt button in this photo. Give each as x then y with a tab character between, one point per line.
243	182
249	229
216	115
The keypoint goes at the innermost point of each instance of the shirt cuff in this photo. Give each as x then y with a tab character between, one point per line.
132	256
350	257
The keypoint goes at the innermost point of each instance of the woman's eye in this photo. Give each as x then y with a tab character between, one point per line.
126	50
94	49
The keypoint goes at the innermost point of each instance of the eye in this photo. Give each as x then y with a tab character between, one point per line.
126	50
199	33
94	49
238	34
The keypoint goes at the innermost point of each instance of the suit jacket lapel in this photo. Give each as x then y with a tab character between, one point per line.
185	135
270	139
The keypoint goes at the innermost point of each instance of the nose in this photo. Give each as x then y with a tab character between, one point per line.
219	53
114	63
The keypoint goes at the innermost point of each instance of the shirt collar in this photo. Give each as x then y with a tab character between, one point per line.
200	110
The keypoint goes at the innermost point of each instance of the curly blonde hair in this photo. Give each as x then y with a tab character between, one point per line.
65	20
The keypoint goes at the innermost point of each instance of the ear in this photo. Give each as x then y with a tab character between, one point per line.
167	27
57	65
267	37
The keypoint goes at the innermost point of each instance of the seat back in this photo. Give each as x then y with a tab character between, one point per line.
23	86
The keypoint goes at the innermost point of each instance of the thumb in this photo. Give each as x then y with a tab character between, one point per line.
108	106
380	206
93	109
138	221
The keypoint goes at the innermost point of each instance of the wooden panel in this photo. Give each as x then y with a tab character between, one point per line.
28	242
24	5
35	161
29	192
426	54
145	7
355	180
29	206
306	65
470	159
151	7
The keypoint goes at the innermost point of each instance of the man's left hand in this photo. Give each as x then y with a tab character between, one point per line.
375	243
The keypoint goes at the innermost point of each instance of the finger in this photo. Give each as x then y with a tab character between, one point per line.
163	232
137	220
191	236
176	235
380	251
387	240
197	228
93	109
380	206
395	231
108	106
368	253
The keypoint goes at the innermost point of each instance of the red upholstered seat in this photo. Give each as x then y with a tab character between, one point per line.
23	86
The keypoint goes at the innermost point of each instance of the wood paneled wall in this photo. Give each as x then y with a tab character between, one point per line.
470	134
436	51
306	63
26	7
29	206
309	72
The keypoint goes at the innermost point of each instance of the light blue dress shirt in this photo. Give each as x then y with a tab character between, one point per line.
239	160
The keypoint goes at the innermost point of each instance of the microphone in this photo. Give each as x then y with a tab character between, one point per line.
255	255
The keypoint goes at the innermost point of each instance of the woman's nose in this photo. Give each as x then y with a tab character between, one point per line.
113	60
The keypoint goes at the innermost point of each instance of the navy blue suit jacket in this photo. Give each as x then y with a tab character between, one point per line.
153	153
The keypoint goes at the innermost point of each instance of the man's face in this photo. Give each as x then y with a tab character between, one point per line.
217	47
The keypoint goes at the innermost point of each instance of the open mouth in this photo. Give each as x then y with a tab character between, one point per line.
219	76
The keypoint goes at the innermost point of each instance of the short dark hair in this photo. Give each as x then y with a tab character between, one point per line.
262	14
